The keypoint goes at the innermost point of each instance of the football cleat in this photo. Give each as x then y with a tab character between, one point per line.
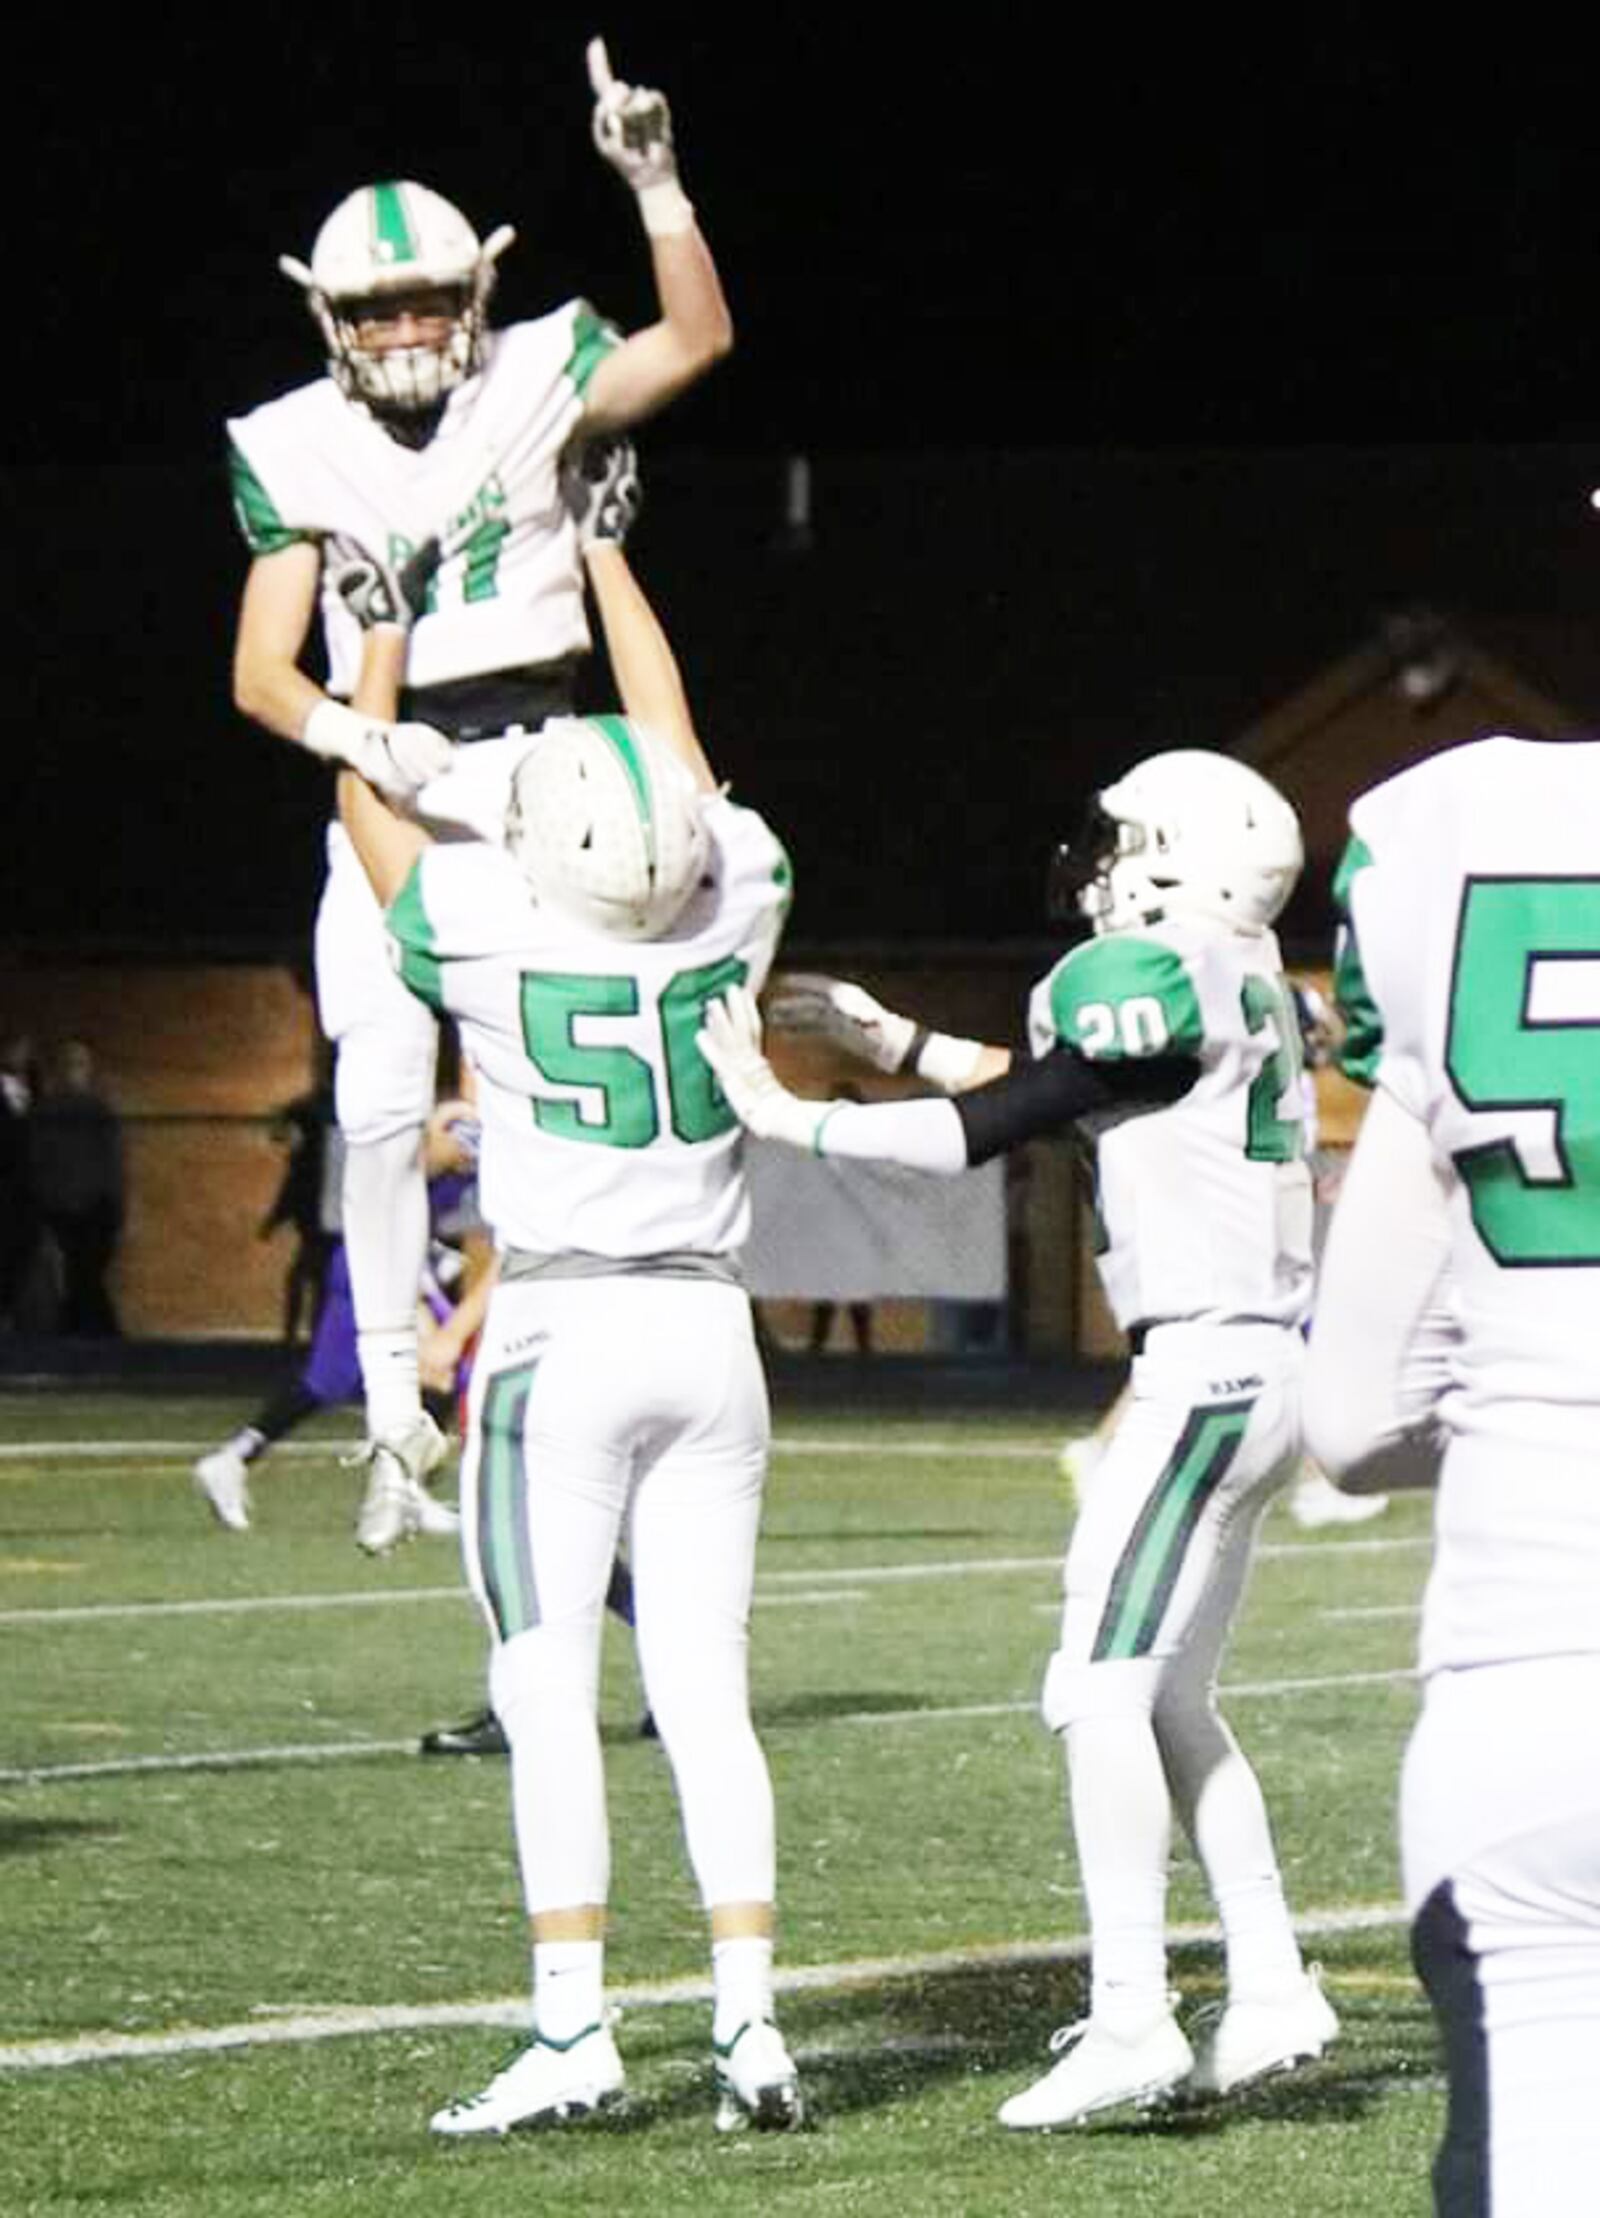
1099	2072
1314	1500
223	1478
1249	2040
547	2083
757	2084
480	1735
397	1503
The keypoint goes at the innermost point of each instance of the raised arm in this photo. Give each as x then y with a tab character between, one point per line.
600	485
633	131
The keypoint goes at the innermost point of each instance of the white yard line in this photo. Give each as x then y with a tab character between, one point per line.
323	1752
273	2028
821	1580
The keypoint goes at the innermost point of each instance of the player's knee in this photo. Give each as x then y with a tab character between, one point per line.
538	1675
1075	1691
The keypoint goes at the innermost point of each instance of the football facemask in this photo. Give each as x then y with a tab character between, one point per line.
607	826
399	284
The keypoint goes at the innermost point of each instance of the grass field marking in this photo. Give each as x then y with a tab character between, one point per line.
274	2028
314	1752
819	1580
783	1444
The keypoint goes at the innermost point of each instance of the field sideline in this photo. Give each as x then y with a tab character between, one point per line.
253	1939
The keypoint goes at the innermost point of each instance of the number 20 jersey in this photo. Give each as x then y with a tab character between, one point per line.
604	1131
1469	972
1205	1206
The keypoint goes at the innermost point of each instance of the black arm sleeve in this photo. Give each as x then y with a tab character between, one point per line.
1035	1098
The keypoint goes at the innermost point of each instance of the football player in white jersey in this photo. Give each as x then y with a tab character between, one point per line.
1169	1040
617	1385
431	427
1470	976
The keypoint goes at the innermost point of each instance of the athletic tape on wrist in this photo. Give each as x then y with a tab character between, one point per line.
666	209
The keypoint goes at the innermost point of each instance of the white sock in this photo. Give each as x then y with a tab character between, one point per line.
1121	1822
389	1380
741	1973
568	1978
384	1200
1263	1954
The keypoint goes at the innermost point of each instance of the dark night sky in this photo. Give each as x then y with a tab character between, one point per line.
1149	245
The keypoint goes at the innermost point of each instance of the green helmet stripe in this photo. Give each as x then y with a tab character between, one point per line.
392	234
616	729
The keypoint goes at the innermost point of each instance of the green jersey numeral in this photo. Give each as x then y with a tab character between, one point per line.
630	1115
1500	1056
1272	1137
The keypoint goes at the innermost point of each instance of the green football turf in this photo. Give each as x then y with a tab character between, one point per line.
251	1940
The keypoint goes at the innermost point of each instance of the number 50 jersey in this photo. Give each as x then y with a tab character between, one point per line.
1469	976
604	1131
1204	1206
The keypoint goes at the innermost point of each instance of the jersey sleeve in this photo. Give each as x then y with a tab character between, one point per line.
593	337
260	525
1361	1037
760	880
1119	999
463	902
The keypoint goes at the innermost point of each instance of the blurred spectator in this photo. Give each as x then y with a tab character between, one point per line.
307	1201
19	1205
78	1178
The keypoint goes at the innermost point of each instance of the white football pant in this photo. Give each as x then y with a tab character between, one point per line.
604	1408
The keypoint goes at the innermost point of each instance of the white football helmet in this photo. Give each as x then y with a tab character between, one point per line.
607	826
382	244
1188	833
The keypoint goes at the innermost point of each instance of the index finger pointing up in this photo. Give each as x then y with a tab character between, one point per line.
600	77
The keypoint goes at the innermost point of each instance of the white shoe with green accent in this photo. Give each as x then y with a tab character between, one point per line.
547	2083
1099	2071
757	2084
397	1503
222	1479
1249	2040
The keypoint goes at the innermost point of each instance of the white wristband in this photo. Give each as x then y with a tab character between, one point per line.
337	733
666	209
943	1060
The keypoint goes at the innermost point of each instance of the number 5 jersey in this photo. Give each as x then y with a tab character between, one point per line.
1469	977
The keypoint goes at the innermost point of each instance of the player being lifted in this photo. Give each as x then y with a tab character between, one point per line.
1455	1339
617	1385
1169	1041
431	426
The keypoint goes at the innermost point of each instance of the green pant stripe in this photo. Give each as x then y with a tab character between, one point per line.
503	1553
1151	1562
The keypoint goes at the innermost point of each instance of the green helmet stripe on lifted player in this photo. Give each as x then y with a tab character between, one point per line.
392	236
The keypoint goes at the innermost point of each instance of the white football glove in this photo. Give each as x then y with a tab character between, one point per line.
602	490
730	1041
398	759
811	1003
632	126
